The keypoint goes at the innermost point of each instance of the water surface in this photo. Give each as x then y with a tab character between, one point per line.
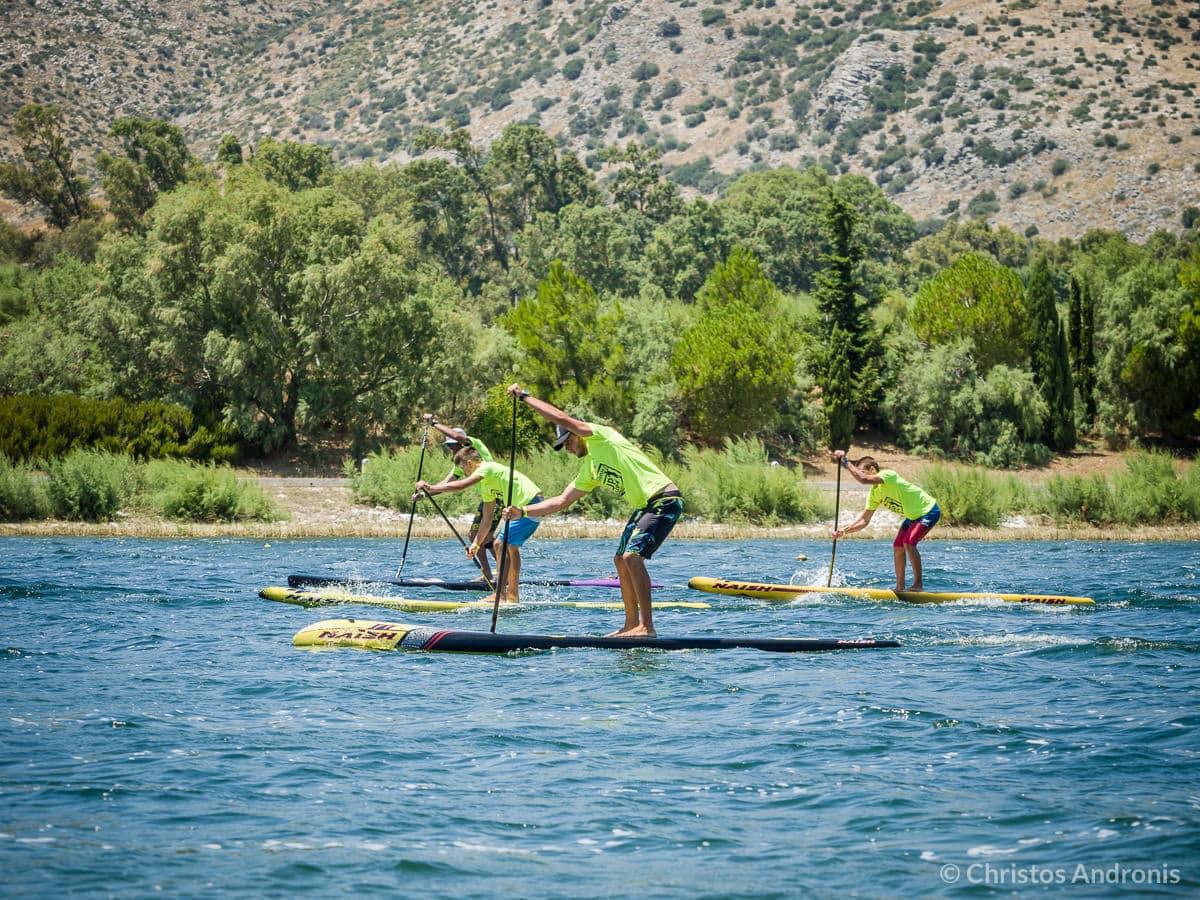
159	732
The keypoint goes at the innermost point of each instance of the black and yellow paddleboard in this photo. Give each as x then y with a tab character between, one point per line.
403	604
372	635
733	588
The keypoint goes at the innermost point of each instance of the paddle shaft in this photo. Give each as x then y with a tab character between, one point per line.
413	509
445	518
837	500
501	584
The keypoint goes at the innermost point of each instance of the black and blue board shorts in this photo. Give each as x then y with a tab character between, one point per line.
649	526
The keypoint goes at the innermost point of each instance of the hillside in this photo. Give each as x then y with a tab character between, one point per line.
1056	116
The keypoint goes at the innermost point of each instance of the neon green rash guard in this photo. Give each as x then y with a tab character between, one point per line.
494	485
615	463
899	496
481	448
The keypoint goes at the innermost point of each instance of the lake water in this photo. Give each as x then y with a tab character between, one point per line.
159	732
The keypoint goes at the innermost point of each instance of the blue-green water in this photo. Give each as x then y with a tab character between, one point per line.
158	730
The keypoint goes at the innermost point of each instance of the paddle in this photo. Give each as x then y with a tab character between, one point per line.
512	462
413	510
837	499
474	559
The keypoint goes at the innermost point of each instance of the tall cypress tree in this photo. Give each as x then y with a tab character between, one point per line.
1049	357
1081	327
847	370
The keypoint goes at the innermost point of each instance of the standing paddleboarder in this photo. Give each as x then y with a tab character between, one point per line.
456	439
611	461
889	490
492	478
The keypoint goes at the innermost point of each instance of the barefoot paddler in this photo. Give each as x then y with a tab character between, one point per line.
610	460
894	493
456	439
492	478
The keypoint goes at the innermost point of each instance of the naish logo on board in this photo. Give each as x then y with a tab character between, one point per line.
382	631
745	586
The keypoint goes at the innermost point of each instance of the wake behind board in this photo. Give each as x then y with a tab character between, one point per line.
337	598
733	588
302	581
371	635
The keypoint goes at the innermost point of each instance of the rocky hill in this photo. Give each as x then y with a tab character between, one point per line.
1055	116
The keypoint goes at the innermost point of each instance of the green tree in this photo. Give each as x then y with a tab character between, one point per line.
287	309
1081	328
735	364
442	201
1049	360
229	151
683	250
637	183
779	214
837	388
977	299
569	342
296	166
155	160
532	177
1148	368
472	162
46	173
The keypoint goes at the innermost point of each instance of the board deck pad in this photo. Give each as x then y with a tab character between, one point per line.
733	588
403	604
371	634
302	581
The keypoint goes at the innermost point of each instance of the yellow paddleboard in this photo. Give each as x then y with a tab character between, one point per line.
403	604
792	591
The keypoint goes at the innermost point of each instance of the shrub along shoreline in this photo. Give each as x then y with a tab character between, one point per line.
731	493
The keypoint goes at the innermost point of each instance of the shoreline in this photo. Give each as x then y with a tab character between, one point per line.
385	527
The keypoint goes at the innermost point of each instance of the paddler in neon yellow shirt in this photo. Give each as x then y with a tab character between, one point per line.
609	460
492	478
456	439
889	490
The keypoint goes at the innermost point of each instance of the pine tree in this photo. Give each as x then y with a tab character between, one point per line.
1049	357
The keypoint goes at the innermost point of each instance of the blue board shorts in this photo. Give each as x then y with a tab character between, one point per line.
649	526
522	529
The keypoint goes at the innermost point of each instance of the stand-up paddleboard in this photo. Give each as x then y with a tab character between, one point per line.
337	598
371	635
733	588
302	581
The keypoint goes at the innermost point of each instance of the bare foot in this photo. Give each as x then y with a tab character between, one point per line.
898	588
917	587
490	598
636	631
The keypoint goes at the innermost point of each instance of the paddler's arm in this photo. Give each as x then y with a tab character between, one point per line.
551	413
446	487
858	524
485	525
862	477
546	507
446	432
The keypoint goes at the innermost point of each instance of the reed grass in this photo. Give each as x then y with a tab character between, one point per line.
1149	492
90	485
22	495
735	484
204	493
